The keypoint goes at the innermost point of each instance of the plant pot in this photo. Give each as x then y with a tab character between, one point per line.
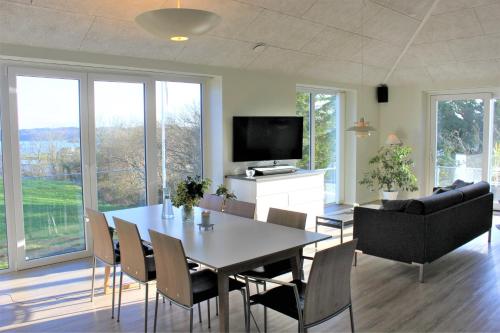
393	195
187	214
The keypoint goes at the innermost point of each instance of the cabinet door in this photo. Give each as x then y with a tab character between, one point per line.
275	201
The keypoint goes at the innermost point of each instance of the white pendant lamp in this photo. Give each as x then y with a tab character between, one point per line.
177	24
362	128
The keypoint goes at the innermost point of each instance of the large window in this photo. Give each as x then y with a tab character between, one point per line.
48	117
178	131
120	144
89	140
321	137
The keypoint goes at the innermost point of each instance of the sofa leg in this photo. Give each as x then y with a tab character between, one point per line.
421	273
489	236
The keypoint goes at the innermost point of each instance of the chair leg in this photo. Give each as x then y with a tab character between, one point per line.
191	320
489	236
164	300
113	296
146	309
208	312
156	311
93	280
216	305
199	312
120	296
352	318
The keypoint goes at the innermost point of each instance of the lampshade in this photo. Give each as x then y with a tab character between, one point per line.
177	24
362	128
392	139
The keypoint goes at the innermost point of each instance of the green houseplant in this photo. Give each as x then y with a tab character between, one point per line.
223	191
391	170
190	191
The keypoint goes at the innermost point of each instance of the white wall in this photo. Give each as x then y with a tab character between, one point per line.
230	92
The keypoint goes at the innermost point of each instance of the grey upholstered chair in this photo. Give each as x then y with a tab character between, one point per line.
240	208
211	202
105	250
134	261
182	287
325	295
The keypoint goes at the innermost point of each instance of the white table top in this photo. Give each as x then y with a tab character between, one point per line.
233	240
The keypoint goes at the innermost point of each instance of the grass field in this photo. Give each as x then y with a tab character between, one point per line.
53	218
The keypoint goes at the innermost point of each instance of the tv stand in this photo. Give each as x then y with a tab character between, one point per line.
272	169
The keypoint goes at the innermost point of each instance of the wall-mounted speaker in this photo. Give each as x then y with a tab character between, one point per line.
383	93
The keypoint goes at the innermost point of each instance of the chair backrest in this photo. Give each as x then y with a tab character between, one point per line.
132	256
103	241
329	286
172	273
287	218
240	208
211	202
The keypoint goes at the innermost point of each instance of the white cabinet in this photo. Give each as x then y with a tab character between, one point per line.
302	191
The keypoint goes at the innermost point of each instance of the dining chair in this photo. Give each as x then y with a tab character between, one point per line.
211	202
182	287
258	275
240	208
326	294
135	262
105	250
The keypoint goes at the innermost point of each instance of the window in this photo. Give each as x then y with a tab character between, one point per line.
120	144
321	112
178	131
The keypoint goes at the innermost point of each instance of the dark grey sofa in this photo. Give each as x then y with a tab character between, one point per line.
427	228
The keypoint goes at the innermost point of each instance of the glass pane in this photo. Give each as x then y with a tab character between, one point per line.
49	147
120	145
459	141
4	258
178	128
302	110
495	153
325	154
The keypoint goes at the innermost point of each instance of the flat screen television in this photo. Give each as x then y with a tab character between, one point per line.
267	138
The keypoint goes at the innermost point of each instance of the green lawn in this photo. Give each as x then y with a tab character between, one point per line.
53	218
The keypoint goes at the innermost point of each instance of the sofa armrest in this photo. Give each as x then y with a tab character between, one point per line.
391	235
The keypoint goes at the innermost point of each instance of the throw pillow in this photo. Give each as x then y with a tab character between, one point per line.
460	183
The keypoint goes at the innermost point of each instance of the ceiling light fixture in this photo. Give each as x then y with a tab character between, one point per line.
362	128
177	24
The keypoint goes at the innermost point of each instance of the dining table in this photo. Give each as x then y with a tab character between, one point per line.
232	245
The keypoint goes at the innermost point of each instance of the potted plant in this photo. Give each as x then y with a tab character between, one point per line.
391	170
189	192
223	191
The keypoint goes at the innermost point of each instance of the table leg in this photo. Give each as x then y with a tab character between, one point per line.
342	233
295	262
223	287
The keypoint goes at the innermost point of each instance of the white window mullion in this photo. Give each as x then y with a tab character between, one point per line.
152	179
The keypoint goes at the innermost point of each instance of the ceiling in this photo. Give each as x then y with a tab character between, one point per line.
403	41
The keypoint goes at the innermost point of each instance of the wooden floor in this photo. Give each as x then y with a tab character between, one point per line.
461	293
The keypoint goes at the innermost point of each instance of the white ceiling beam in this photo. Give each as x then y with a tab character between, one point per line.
410	41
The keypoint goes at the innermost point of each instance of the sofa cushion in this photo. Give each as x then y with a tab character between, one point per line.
475	190
394	205
433	203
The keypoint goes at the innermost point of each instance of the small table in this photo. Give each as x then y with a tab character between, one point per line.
336	220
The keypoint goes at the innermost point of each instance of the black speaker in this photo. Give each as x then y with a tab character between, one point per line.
382	93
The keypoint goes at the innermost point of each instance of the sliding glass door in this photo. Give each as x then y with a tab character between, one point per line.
48	169
321	140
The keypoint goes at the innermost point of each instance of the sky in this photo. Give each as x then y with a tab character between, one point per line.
52	103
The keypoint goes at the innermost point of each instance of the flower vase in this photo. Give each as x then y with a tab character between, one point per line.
187	214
